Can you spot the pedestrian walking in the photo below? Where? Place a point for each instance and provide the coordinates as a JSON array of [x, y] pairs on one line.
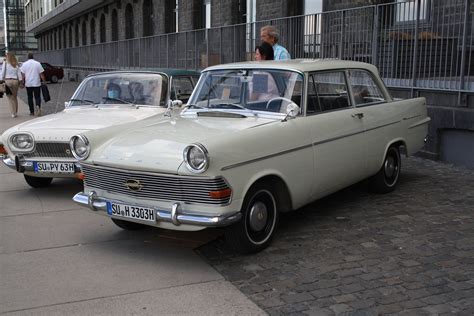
[[33, 75], [11, 75], [270, 35]]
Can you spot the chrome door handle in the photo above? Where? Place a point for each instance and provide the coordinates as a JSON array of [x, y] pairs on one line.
[[358, 115]]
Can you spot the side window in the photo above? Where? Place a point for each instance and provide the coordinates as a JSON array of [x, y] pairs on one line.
[[364, 88], [327, 91], [182, 88]]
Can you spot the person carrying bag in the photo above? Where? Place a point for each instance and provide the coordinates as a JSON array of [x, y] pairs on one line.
[[11, 80], [33, 75]]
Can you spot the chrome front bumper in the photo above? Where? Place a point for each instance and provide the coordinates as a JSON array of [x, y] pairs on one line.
[[175, 216], [21, 165]]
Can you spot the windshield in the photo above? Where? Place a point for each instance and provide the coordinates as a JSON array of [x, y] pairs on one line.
[[122, 88], [251, 89]]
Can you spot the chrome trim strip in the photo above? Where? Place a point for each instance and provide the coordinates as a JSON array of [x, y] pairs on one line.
[[422, 122], [303, 147], [411, 117], [96, 203], [381, 126], [265, 157]]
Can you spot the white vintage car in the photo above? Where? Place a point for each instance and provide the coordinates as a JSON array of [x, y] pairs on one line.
[[256, 139], [39, 148]]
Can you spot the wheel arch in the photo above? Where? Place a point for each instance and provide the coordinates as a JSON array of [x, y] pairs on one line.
[[278, 183], [395, 142]]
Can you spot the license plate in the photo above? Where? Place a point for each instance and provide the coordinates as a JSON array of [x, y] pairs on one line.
[[54, 167], [129, 211]]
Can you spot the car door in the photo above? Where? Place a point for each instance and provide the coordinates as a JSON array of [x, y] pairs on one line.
[[380, 118], [336, 132]]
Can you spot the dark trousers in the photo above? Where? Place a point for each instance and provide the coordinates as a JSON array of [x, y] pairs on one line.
[[37, 92]]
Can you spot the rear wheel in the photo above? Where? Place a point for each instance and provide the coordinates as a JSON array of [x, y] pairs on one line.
[[386, 179], [127, 225], [37, 182], [54, 79], [256, 228]]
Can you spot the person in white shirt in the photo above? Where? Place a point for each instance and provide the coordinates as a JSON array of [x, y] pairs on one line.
[[32, 72], [11, 74]]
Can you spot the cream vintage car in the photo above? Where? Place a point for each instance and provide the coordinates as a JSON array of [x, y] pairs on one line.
[[256, 139], [39, 148]]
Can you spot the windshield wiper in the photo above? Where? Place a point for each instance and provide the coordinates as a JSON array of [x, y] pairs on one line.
[[224, 105], [117, 99], [190, 106], [83, 101]]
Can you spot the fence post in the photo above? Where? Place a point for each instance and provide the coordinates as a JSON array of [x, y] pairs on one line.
[[415, 48], [207, 47], [341, 44], [167, 51], [463, 53], [186, 50], [375, 36]]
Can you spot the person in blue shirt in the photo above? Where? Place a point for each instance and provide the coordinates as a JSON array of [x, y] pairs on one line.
[[270, 35]]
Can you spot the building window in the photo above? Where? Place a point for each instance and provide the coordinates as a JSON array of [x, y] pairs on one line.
[[92, 31], [129, 25], [114, 25], [76, 34], [102, 28], [148, 18], [171, 11], [407, 11], [84, 33], [70, 35]]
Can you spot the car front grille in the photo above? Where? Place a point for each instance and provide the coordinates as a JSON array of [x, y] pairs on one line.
[[51, 150], [155, 186]]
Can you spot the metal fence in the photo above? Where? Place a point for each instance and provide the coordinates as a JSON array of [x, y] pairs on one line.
[[423, 44]]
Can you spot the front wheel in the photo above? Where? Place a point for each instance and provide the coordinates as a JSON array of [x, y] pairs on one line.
[[38, 182], [128, 225], [256, 228], [386, 179]]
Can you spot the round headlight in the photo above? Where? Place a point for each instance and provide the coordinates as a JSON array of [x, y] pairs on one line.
[[195, 157], [22, 141], [80, 147]]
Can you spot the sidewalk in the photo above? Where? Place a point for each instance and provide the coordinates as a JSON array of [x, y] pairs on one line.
[[58, 259]]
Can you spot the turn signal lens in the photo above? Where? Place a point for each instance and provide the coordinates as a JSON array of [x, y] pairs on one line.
[[2, 150], [221, 194], [80, 176]]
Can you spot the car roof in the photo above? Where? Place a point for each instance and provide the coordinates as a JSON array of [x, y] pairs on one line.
[[301, 65], [168, 71]]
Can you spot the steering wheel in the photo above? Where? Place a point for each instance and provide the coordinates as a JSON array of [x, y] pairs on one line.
[[277, 98]]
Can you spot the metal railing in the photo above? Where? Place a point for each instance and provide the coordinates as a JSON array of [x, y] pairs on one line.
[[422, 44]]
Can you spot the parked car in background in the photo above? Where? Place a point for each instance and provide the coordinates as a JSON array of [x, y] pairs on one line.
[[256, 139], [39, 148], [52, 73]]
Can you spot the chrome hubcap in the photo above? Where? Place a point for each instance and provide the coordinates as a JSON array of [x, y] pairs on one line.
[[390, 167], [258, 216]]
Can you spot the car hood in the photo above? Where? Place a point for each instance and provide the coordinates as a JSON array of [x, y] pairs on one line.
[[158, 146], [61, 126]]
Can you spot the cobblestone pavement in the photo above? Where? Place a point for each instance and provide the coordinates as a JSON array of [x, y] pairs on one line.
[[410, 252]]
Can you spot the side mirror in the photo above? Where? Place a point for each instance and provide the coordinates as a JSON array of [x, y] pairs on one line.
[[292, 111], [66, 104], [176, 103]]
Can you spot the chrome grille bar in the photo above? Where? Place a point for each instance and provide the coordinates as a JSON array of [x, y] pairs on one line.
[[155, 186], [51, 150]]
